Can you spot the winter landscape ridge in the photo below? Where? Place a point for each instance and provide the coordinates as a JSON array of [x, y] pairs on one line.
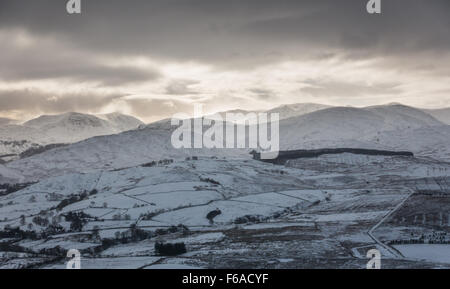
[[113, 188]]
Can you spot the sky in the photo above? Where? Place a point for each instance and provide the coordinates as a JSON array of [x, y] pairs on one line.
[[152, 59]]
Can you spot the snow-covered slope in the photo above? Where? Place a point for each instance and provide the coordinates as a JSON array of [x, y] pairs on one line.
[[63, 128], [8, 175], [15, 139], [285, 111], [297, 109], [72, 126], [431, 141], [20, 132], [121, 122], [130, 148], [370, 127], [6, 121], [388, 127], [337, 123], [397, 116], [442, 115], [311, 204]]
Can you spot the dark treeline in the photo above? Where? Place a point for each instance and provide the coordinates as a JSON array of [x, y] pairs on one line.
[[284, 156]]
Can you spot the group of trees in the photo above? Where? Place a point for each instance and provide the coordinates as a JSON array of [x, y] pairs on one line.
[[172, 229], [39, 149], [120, 217], [260, 218], [156, 163], [40, 221], [74, 198], [77, 220], [53, 229], [249, 219], [193, 158], [433, 238], [149, 215], [133, 234], [170, 249], [9, 232], [6, 189], [209, 180]]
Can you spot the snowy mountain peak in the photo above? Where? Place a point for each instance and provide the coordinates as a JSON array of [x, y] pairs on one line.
[[297, 109], [61, 128], [69, 118], [121, 121], [402, 116]]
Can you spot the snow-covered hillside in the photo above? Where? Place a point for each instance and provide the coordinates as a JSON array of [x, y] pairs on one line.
[[6, 121], [393, 127], [121, 122], [8, 175], [130, 148], [315, 210], [385, 127], [285, 111], [15, 139], [72, 126], [296, 109], [133, 189], [442, 115], [63, 128], [397, 116]]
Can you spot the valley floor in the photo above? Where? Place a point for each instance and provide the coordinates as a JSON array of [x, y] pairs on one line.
[[325, 212]]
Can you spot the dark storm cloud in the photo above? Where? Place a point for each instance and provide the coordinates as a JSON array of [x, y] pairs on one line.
[[115, 43], [250, 32], [39, 102]]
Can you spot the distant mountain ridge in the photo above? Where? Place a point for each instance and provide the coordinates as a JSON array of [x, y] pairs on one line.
[[388, 127], [72, 126], [61, 128], [442, 114], [297, 109], [7, 121], [284, 111]]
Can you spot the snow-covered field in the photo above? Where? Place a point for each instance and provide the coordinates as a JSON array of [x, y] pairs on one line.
[[430, 252], [262, 210], [229, 210]]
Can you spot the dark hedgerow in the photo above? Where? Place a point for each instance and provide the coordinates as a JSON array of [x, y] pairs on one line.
[[162, 249], [209, 180]]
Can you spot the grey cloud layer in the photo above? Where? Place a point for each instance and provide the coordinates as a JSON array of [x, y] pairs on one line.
[[47, 58], [227, 35], [248, 31], [319, 88], [181, 87], [39, 102]]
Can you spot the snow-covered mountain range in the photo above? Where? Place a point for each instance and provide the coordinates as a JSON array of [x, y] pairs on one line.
[[63, 128], [104, 189], [296, 109], [72, 126], [392, 126], [284, 111]]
